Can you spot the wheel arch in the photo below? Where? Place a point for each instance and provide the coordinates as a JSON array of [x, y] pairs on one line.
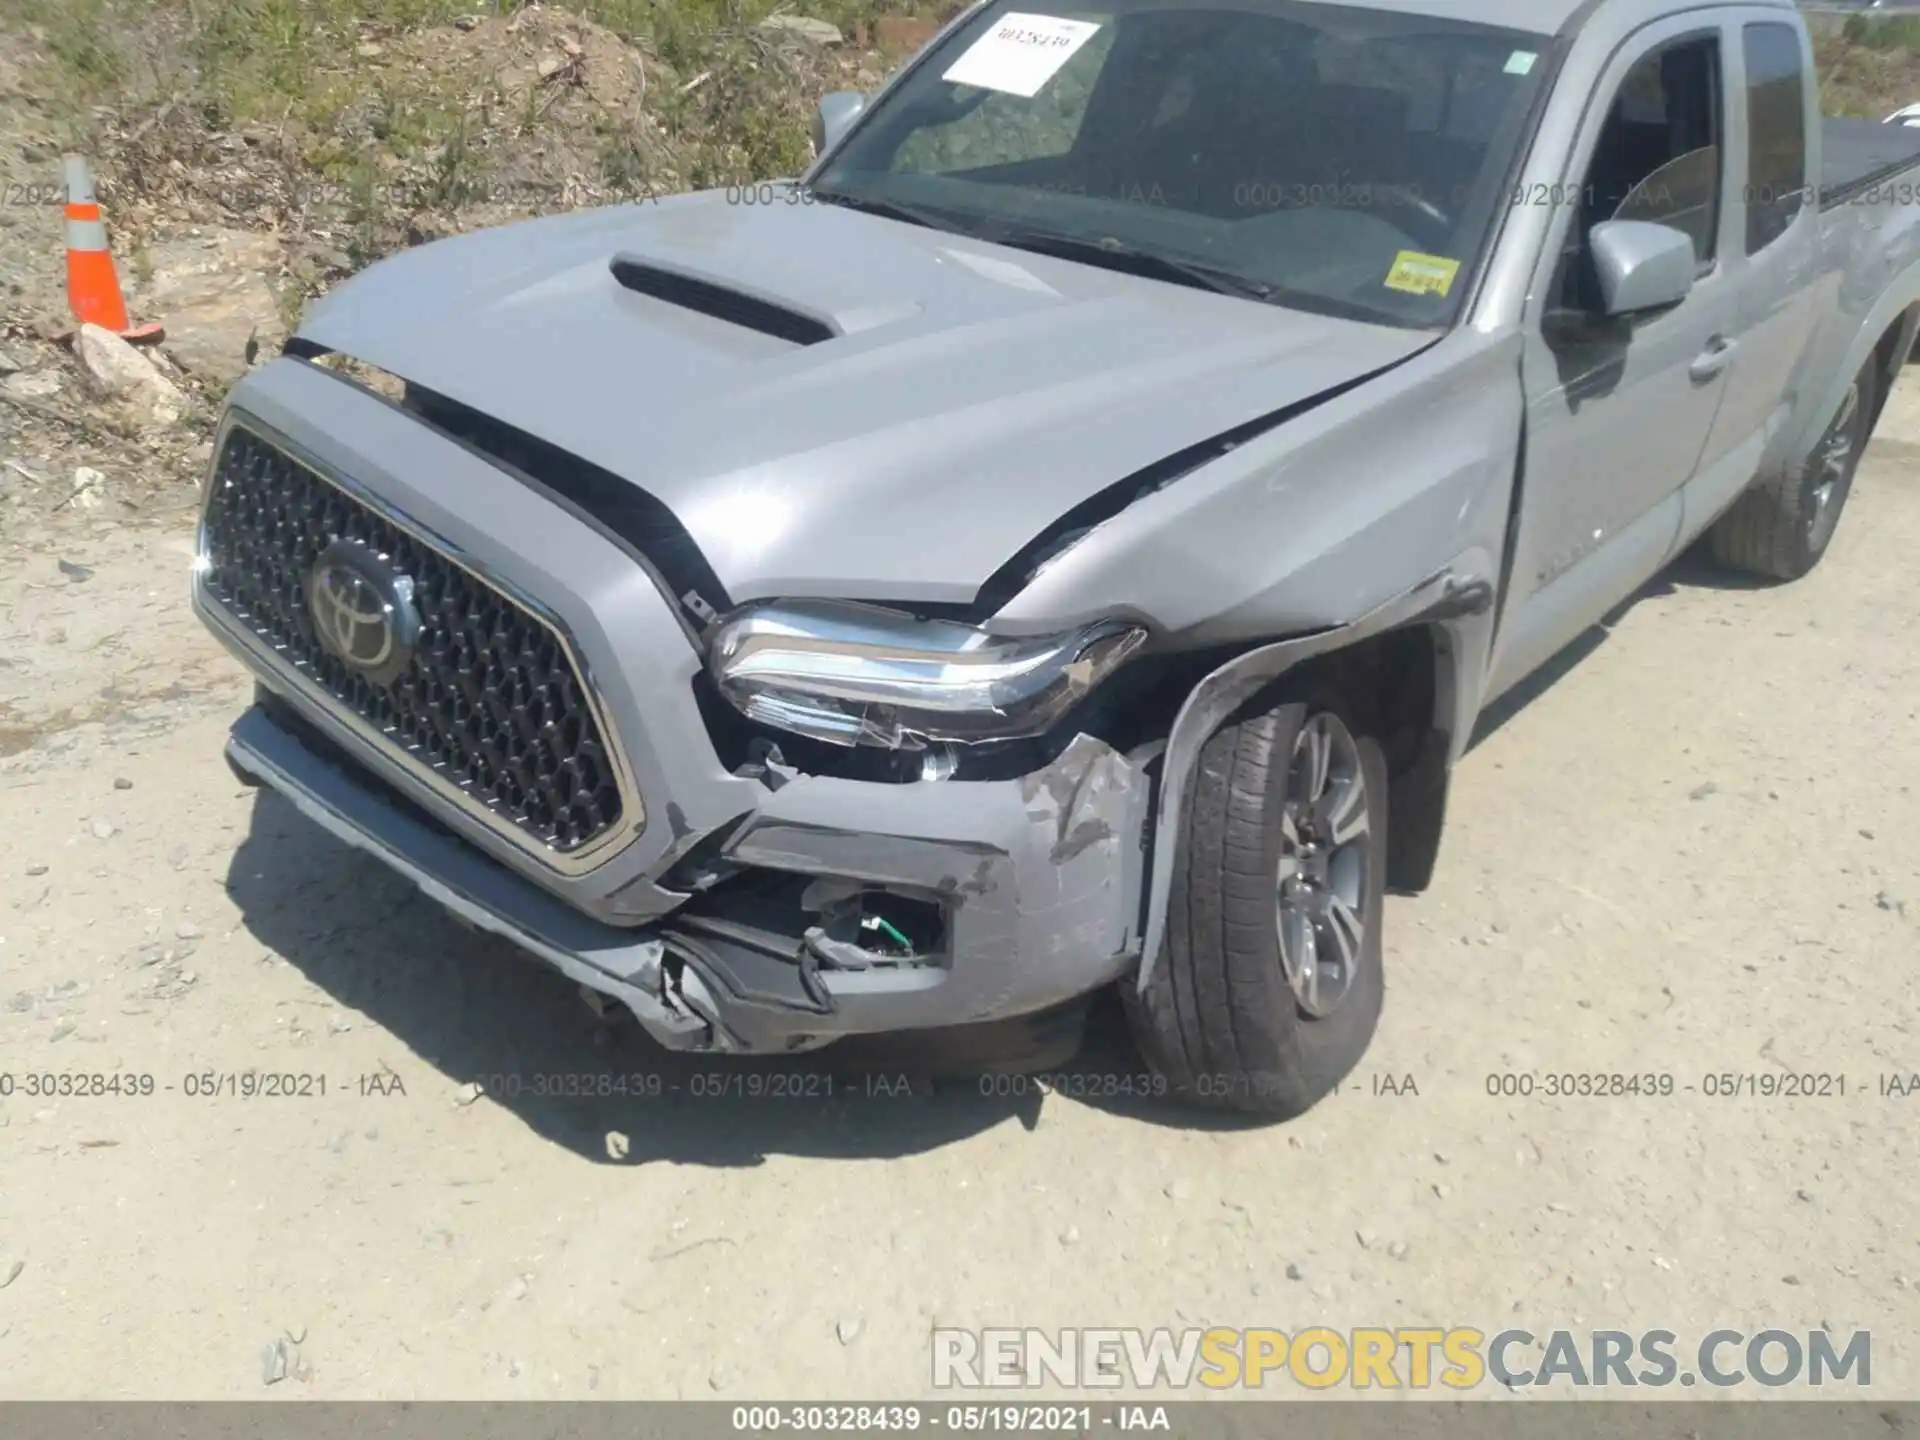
[[1400, 664]]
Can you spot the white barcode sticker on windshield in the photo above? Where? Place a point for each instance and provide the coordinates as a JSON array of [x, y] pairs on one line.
[[1521, 62], [1021, 53]]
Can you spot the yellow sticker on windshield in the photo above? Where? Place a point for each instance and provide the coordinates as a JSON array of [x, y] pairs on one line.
[[1419, 274]]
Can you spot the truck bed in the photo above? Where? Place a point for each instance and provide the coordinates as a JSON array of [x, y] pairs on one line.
[[1859, 154]]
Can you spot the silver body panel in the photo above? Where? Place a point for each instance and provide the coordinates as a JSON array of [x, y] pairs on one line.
[[971, 395]]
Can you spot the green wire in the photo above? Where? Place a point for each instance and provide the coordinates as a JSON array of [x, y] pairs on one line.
[[879, 923]]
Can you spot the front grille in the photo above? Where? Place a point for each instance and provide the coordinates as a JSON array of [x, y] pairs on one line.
[[490, 703]]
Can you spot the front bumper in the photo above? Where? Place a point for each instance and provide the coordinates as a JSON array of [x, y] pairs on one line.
[[1040, 877], [1037, 881]]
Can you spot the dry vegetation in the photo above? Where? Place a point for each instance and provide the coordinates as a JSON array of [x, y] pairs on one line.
[[358, 126], [363, 125], [1870, 67]]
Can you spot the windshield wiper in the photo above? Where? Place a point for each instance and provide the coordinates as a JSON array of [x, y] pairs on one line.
[[890, 209], [1153, 264]]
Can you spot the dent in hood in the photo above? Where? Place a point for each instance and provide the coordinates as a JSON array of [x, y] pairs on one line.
[[966, 396]]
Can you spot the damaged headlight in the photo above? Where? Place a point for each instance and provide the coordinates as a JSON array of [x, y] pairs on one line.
[[853, 674]]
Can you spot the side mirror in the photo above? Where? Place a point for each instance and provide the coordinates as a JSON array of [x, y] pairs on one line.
[[835, 117], [1642, 266]]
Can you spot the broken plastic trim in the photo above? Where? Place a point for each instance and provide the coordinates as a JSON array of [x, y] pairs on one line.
[[852, 675]]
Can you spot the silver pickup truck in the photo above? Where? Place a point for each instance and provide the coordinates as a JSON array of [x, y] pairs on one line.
[[1065, 539]]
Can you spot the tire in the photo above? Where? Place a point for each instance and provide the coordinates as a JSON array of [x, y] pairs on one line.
[[1782, 526], [1219, 1019]]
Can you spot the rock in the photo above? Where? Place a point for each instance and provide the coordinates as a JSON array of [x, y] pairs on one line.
[[1070, 1235], [33, 384], [120, 782], [805, 27], [9, 365], [1440, 1190], [1177, 1190], [1397, 1249], [273, 1364], [187, 930], [1789, 1279], [102, 828], [78, 574], [119, 370], [10, 1271], [1700, 792], [36, 870], [466, 22], [20, 1002], [1887, 902], [424, 227], [1365, 1237], [339, 1025], [211, 293], [86, 486], [467, 1094], [1294, 1272], [717, 1378], [619, 1146], [848, 1328]]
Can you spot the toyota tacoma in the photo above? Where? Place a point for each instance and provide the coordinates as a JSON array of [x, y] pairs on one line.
[[1066, 537]]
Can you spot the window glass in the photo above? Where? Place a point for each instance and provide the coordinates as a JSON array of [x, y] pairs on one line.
[[1659, 158], [1351, 160], [1777, 132]]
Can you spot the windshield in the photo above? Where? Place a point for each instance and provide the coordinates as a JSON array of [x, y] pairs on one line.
[[1340, 159]]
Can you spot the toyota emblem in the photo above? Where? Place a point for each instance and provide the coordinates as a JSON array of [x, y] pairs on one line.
[[362, 610]]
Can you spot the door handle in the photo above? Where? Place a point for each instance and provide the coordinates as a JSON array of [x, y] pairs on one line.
[[1712, 360]]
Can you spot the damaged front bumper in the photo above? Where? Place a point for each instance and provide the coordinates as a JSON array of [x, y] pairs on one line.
[[723, 905], [1036, 883]]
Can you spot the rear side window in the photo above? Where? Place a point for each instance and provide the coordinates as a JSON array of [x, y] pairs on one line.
[[1777, 132]]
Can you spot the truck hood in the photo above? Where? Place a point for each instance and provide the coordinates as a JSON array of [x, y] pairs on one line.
[[834, 403]]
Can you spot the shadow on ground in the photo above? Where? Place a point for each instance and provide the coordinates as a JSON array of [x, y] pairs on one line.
[[478, 1010], [1694, 570]]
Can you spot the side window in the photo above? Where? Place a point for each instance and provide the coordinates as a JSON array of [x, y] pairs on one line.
[[1777, 132], [1660, 157]]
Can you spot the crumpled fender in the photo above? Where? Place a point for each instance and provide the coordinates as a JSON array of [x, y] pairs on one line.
[[1441, 596]]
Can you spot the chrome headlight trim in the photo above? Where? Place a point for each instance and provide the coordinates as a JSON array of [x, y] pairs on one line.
[[852, 674]]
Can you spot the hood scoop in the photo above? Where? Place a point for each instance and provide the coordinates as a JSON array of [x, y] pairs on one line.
[[724, 300]]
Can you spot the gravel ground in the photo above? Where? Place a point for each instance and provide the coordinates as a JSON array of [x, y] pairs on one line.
[[1692, 851]]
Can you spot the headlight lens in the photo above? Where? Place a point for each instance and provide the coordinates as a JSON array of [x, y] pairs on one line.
[[854, 674]]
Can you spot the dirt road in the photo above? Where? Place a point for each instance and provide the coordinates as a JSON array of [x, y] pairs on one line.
[[1695, 851]]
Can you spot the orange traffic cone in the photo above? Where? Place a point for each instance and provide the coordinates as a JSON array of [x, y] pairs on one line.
[[93, 287]]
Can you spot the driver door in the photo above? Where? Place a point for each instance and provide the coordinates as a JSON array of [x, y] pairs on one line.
[[1619, 409]]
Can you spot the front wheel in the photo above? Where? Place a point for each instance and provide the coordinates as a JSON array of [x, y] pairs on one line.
[[1782, 526], [1268, 985]]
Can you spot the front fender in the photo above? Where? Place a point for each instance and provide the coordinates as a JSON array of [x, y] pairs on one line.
[[1445, 596]]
